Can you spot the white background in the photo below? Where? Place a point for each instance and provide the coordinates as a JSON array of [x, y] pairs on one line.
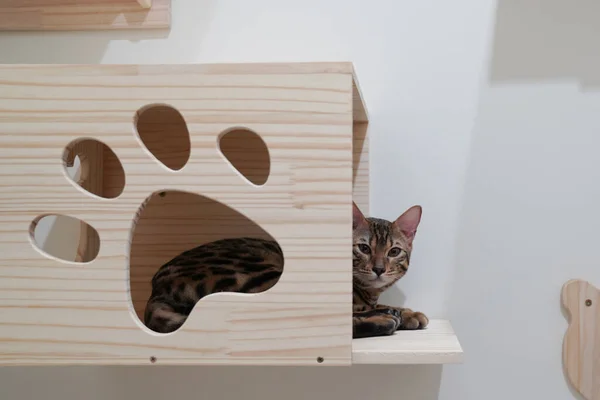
[[487, 113]]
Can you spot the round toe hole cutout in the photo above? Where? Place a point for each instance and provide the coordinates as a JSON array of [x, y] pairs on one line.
[[248, 154], [94, 167], [164, 132], [65, 238]]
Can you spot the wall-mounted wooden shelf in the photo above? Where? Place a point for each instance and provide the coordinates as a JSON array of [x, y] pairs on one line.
[[74, 15], [437, 344]]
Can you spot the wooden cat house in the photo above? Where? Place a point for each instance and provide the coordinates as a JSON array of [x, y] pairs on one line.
[[172, 156]]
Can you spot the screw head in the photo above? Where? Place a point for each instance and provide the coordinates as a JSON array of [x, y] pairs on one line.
[[162, 194], [152, 359], [320, 360], [588, 302]]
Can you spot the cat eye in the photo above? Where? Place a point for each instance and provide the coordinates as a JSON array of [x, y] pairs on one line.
[[394, 252], [364, 248]]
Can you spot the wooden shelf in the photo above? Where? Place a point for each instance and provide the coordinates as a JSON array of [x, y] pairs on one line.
[[83, 15], [437, 344]]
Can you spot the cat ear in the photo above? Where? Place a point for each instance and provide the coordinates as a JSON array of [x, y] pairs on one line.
[[358, 219], [408, 222]]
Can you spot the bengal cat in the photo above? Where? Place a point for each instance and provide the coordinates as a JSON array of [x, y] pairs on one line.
[[381, 252], [380, 257]]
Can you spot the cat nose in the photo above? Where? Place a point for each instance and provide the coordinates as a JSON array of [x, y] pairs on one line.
[[378, 270]]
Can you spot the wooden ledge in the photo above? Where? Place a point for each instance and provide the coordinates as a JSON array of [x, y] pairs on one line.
[[83, 15], [437, 344]]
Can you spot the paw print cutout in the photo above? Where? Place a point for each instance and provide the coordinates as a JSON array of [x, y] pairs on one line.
[[163, 132], [581, 346]]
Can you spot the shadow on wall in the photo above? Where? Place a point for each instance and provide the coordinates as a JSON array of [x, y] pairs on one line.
[[524, 141], [89, 47], [547, 40], [173, 382]]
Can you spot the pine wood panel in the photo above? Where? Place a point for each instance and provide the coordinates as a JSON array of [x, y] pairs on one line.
[[53, 312], [70, 15], [581, 346], [437, 344], [360, 167]]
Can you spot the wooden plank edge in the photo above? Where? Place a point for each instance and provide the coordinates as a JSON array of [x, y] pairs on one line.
[[121, 15], [360, 167], [360, 112], [126, 361], [252, 68], [385, 350]]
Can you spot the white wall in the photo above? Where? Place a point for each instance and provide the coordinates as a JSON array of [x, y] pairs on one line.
[[486, 114]]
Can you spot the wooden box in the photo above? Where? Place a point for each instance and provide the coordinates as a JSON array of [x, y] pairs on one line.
[[148, 191]]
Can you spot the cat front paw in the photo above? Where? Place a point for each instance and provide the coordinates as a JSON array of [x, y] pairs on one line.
[[377, 322], [412, 320], [392, 317], [390, 311]]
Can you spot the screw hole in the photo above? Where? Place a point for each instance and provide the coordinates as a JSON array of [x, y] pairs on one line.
[[162, 194], [152, 359], [320, 360], [588, 302]]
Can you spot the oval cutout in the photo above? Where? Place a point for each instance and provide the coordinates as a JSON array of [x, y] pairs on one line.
[[171, 225], [248, 154], [164, 132], [94, 167], [65, 238]]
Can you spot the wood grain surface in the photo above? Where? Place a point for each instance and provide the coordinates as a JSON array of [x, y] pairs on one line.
[[437, 344], [581, 346], [79, 15], [58, 312]]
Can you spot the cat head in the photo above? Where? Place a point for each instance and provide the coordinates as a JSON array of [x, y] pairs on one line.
[[381, 249]]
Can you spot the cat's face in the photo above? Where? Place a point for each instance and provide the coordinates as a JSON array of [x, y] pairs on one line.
[[381, 248]]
